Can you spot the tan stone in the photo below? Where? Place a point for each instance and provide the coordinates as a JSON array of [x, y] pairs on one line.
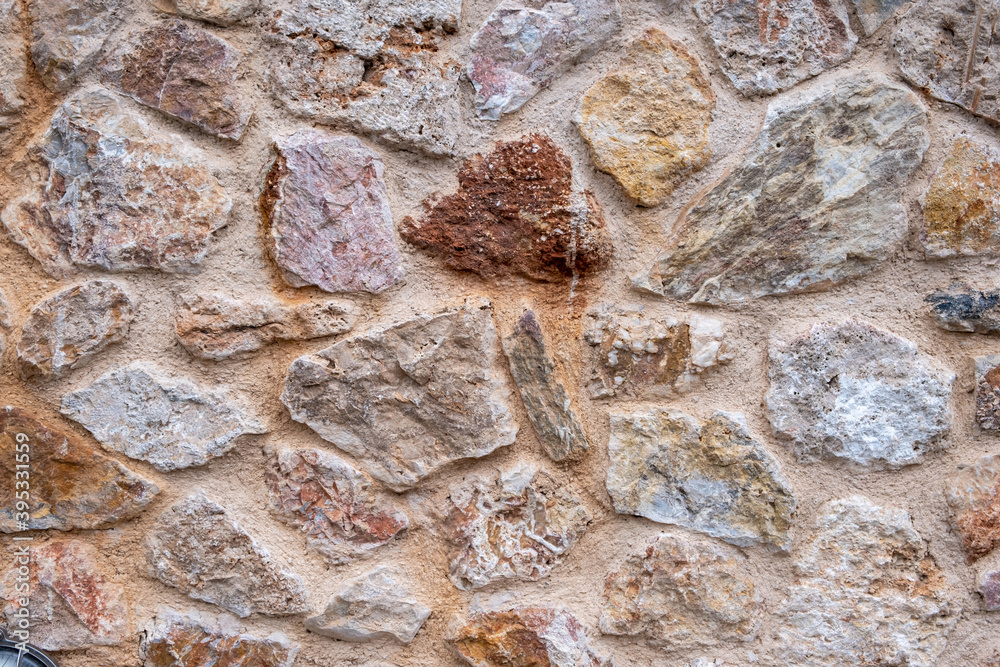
[[176, 640], [973, 496]]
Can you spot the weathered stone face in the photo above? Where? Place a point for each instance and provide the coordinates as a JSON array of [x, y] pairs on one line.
[[517, 210], [797, 214], [988, 392], [647, 122], [683, 593], [408, 399], [854, 392], [874, 13], [4, 320], [326, 214], [990, 590], [105, 192], [707, 475], [526, 44], [866, 591], [973, 496], [219, 12], [13, 64], [963, 308], [176, 640], [67, 37]]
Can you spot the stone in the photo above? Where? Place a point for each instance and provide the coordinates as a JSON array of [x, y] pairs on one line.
[[197, 547], [219, 12], [990, 590], [107, 192], [518, 526], [866, 592], [332, 503], [171, 423], [68, 329], [517, 210], [545, 398], [373, 606], [184, 72], [814, 202], [874, 13], [13, 64], [194, 640], [633, 354], [708, 475], [326, 214], [966, 309], [71, 602], [216, 327], [683, 593], [972, 496], [988, 392], [647, 122], [67, 36], [374, 68], [72, 485], [4, 320], [408, 399], [854, 392], [525, 45]]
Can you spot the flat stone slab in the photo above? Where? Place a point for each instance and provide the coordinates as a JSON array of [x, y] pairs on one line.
[[967, 309], [66, 37], [173, 639], [973, 496]]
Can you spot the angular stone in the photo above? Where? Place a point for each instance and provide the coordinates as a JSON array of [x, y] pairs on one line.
[[190, 640], [964, 308], [683, 593], [376, 68], [186, 73], [213, 326], [332, 503], [326, 214], [524, 45], [815, 201], [973, 495], [518, 526], [990, 590], [199, 549], [647, 122], [706, 475], [68, 329], [71, 602], [219, 12], [854, 392], [171, 423], [373, 606], [13, 64], [988, 392], [874, 13], [545, 398], [517, 210], [408, 399], [105, 192], [866, 592], [72, 485], [67, 37]]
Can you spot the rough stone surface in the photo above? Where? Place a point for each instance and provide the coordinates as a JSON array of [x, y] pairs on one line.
[[219, 12], [72, 485], [171, 423], [213, 326], [517, 526], [199, 549], [66, 37], [192, 640], [545, 398], [408, 399], [966, 309], [814, 202], [990, 590], [526, 44], [851, 391], [4, 321], [707, 475], [373, 606], [186, 73], [988, 392], [647, 121], [972, 496], [683, 593], [332, 503], [105, 192], [866, 592], [517, 210], [874, 13], [68, 329], [13, 64]]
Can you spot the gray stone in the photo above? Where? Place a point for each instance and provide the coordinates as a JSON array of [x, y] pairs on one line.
[[874, 13], [989, 588], [988, 392], [4, 320], [966, 309], [67, 37], [172, 639], [13, 64], [219, 12]]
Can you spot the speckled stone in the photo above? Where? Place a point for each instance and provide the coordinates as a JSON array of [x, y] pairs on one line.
[[988, 392], [990, 590], [874, 13], [66, 37], [173, 639], [13, 64], [973, 495], [966, 309], [4, 321], [219, 12]]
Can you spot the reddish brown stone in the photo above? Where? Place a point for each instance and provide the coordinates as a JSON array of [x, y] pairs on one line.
[[974, 498], [990, 590], [988, 392], [189, 641]]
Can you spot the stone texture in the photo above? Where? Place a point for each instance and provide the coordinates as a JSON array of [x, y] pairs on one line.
[[186, 73], [647, 121], [171, 423], [213, 326], [990, 590], [196, 547], [106, 192], [966, 309], [13, 64], [326, 214], [545, 398], [866, 592], [814, 202], [72, 485], [4, 321], [874, 13], [66, 37], [68, 329], [332, 503], [972, 496], [410, 398], [517, 210], [683, 593], [524, 45], [373, 606], [988, 392], [708, 475], [376, 68], [851, 391], [219, 12], [517, 526], [190, 640]]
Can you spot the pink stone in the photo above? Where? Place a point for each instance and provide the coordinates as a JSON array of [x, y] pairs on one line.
[[990, 589]]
